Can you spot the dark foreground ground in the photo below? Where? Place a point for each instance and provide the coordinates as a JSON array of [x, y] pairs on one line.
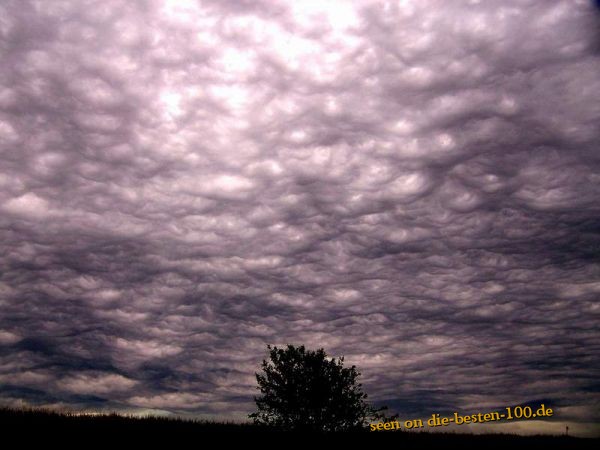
[[47, 425]]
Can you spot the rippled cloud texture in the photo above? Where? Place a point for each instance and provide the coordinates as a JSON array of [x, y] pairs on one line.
[[414, 185]]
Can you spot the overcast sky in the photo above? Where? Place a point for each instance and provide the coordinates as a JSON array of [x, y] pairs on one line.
[[412, 184]]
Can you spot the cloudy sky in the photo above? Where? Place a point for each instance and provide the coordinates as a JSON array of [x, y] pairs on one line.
[[412, 184]]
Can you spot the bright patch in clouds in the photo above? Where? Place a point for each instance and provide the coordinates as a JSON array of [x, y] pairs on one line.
[[171, 103]]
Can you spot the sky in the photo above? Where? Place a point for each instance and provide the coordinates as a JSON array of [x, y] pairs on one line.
[[414, 185]]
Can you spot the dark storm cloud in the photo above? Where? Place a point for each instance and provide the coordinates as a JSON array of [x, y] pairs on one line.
[[413, 185]]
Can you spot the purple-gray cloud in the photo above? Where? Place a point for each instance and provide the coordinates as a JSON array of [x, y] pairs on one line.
[[411, 184]]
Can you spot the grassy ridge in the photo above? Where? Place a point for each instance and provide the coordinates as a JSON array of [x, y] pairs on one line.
[[46, 422], [42, 419]]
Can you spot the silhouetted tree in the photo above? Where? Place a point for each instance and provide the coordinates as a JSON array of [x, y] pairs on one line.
[[306, 390]]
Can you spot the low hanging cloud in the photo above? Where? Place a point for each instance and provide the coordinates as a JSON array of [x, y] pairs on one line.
[[413, 185]]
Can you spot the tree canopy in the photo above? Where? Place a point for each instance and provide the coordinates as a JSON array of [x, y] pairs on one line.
[[306, 390]]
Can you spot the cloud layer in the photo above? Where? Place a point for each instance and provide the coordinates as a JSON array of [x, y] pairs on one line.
[[413, 185]]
